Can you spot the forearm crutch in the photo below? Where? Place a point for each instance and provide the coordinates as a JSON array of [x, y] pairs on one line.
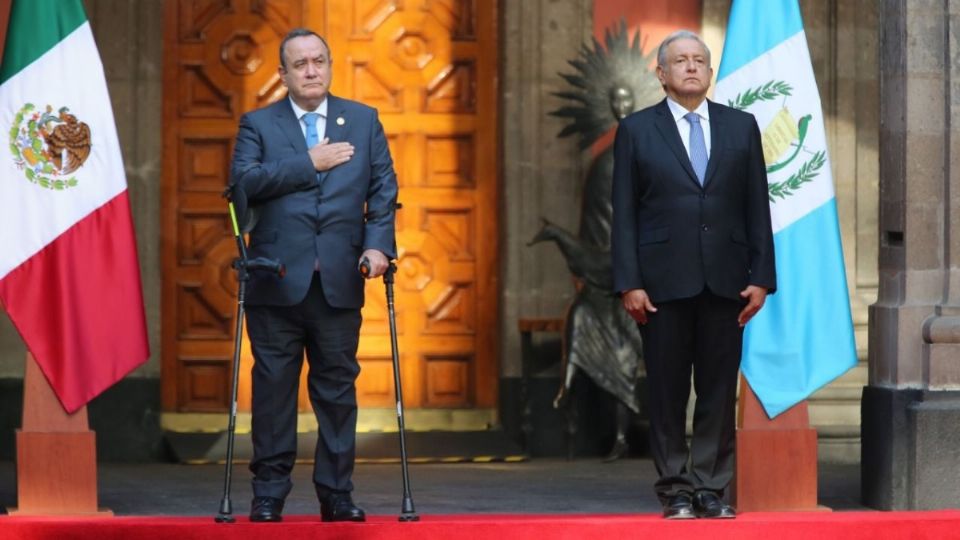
[[244, 266], [407, 512]]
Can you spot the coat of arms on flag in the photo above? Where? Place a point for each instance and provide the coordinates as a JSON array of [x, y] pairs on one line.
[[784, 139], [48, 147]]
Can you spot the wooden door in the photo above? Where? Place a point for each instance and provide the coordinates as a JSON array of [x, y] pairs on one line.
[[430, 67]]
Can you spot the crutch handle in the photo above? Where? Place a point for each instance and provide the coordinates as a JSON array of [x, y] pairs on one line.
[[364, 267]]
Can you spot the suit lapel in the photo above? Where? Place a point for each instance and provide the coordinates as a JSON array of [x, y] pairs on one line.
[[337, 124], [671, 135], [716, 143], [289, 124]]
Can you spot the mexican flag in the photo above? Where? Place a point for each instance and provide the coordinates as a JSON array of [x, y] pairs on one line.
[[803, 337], [69, 276]]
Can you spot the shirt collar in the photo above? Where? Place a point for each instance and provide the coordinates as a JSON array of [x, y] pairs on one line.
[[678, 112], [298, 112]]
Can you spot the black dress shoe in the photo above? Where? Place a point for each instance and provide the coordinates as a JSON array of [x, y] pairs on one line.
[[265, 509], [707, 504], [678, 506], [340, 507]]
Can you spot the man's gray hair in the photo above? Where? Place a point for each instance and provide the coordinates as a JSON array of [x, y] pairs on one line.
[[679, 34], [295, 33]]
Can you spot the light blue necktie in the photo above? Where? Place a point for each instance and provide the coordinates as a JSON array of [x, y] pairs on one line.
[[310, 120], [698, 148], [313, 138]]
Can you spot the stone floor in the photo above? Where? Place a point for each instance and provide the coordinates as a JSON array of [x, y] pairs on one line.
[[537, 486]]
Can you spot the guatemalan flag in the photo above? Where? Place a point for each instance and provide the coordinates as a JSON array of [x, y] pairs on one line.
[[803, 337], [69, 276]]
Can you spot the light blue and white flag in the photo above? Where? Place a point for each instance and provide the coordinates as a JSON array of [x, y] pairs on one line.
[[803, 337]]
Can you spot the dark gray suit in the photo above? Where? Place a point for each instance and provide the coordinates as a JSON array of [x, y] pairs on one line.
[[693, 249], [308, 220]]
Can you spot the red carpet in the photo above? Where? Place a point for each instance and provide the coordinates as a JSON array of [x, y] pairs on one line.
[[763, 526]]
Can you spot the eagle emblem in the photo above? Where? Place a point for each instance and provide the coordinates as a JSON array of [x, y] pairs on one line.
[[49, 147]]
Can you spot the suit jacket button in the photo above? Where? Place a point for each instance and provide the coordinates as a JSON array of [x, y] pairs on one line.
[[704, 227]]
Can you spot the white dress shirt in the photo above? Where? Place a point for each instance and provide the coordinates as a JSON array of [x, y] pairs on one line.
[[703, 111], [321, 121]]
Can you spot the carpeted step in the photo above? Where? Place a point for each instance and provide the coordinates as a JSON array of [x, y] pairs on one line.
[[760, 526]]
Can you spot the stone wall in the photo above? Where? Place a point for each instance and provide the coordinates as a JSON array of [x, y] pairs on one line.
[[542, 175], [911, 408]]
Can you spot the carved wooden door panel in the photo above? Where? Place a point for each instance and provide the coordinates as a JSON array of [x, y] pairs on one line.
[[429, 66], [219, 61]]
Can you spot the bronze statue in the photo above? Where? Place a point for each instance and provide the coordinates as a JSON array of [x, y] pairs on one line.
[[599, 337]]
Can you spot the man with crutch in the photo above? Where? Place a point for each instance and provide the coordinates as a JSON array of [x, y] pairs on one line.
[[313, 166]]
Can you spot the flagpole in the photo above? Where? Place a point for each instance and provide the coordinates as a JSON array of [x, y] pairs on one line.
[[4, 20], [56, 454], [776, 468]]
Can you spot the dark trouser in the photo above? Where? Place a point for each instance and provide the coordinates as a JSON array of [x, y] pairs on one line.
[[699, 334], [279, 336]]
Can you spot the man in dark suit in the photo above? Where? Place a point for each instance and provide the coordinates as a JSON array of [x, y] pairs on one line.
[[693, 260], [318, 172]]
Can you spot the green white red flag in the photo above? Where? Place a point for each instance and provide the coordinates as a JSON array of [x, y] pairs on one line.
[[69, 276]]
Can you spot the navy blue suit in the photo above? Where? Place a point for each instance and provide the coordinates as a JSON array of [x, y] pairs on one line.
[[317, 225], [692, 248]]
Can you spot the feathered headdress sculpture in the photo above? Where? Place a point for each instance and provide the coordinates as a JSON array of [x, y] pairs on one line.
[[598, 70]]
